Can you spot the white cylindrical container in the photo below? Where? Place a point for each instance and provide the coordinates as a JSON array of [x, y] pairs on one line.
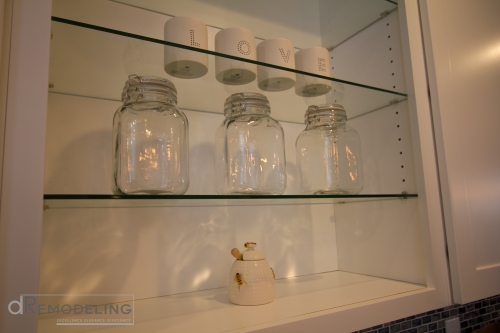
[[280, 52], [238, 42], [315, 60], [181, 63]]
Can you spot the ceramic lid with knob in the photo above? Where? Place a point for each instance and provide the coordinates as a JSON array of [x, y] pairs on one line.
[[250, 254]]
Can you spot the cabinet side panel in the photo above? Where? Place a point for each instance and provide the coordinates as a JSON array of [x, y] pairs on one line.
[[464, 82], [372, 57], [381, 238]]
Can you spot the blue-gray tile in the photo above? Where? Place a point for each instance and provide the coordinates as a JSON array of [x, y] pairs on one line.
[[470, 315], [433, 326], [436, 317], [416, 322], [422, 329], [426, 319], [406, 325], [441, 324], [384, 330], [412, 330], [494, 315], [395, 328]]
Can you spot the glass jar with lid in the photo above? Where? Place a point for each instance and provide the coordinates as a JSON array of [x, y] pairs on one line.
[[249, 148], [150, 135], [329, 153]]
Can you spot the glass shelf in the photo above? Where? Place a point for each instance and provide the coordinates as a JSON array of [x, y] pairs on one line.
[[92, 61], [116, 201], [306, 23]]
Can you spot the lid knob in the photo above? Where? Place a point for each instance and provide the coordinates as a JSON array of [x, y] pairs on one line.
[[251, 253]]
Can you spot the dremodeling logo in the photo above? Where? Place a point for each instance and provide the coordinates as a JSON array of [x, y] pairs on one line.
[[77, 309]]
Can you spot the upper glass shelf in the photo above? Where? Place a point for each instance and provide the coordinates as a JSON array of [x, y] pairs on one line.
[[307, 23], [116, 201], [93, 61]]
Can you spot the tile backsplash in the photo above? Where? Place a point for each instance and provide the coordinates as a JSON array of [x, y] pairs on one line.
[[473, 316]]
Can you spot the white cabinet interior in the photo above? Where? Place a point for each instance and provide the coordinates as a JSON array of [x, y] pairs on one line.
[[326, 255]]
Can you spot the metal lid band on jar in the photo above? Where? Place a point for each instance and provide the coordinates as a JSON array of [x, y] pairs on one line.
[[240, 102], [137, 84], [335, 112]]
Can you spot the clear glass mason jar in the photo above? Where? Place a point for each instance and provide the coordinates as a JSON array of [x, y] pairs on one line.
[[150, 135], [249, 148], [329, 153]]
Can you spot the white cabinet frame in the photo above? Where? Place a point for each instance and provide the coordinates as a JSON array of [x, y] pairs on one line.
[[462, 53], [23, 165]]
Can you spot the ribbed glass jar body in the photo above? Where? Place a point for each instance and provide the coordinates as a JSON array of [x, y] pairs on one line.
[[250, 148], [150, 135], [329, 153]]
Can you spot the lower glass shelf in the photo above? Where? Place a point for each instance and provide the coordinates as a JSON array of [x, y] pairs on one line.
[[210, 310], [52, 201]]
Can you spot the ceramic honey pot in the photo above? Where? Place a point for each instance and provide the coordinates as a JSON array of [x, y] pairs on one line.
[[251, 279]]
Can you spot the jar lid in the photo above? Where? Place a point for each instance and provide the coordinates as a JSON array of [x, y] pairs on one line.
[[325, 107], [154, 84], [239, 101], [336, 110], [250, 254]]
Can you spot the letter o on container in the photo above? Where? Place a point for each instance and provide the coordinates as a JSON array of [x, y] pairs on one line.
[[238, 42]]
